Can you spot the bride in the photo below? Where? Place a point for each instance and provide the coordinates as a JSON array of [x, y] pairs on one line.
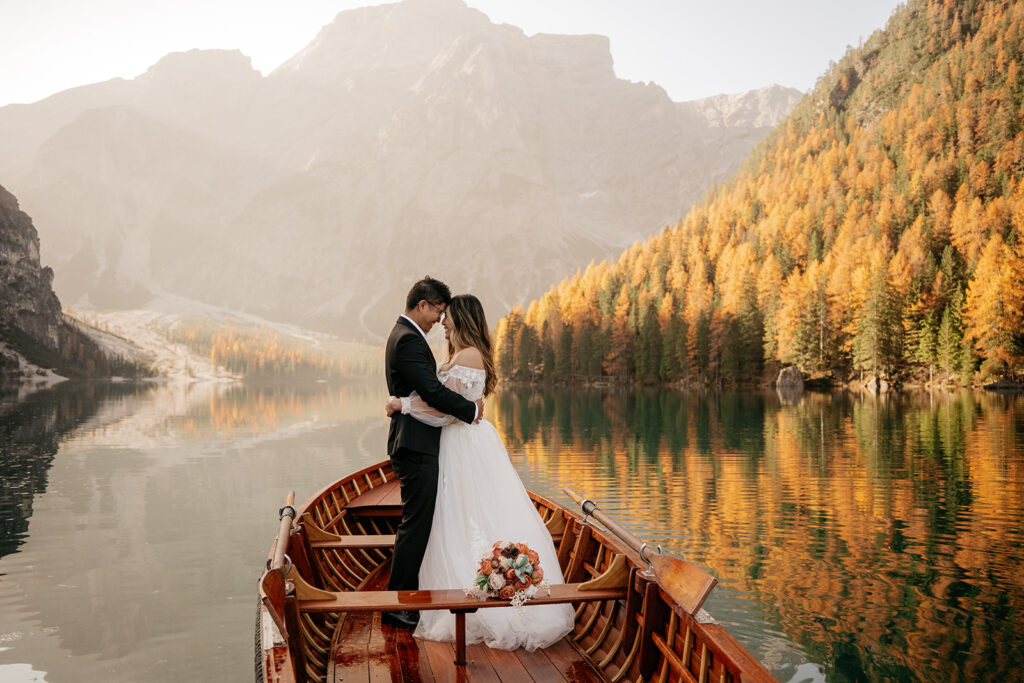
[[480, 500]]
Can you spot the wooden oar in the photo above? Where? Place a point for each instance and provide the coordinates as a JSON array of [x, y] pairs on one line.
[[687, 584], [283, 532]]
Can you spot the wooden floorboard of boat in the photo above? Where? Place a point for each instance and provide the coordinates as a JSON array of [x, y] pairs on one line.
[[441, 657], [571, 663], [383, 666], [409, 656], [540, 668], [364, 650]]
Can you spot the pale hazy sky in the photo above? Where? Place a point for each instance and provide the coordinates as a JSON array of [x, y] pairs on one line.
[[692, 48]]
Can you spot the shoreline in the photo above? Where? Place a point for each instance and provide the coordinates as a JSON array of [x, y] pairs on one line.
[[995, 387]]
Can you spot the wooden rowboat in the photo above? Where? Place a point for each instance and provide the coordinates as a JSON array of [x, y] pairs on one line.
[[638, 613]]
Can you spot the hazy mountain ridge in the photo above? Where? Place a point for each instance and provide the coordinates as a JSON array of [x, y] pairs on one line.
[[405, 139]]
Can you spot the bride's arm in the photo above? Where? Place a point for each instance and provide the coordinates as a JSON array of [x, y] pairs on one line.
[[415, 362], [416, 407]]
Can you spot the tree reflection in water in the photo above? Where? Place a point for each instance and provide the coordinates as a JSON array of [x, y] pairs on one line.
[[882, 534]]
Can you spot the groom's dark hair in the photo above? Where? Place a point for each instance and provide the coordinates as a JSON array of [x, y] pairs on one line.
[[430, 290]]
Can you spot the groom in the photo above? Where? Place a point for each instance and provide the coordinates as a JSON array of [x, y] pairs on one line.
[[412, 445]]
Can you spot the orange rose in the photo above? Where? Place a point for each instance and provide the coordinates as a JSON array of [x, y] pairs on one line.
[[485, 568], [506, 592], [522, 583], [510, 575], [538, 574], [532, 557], [521, 547], [496, 552]]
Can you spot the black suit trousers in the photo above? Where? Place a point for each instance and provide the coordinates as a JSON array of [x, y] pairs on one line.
[[417, 478]]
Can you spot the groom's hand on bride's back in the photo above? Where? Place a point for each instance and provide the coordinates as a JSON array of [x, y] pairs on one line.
[[479, 410]]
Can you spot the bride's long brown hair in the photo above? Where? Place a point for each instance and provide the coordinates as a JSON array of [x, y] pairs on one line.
[[469, 328]]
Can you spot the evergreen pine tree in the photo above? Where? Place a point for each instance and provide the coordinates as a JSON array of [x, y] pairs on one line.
[[951, 333], [877, 344]]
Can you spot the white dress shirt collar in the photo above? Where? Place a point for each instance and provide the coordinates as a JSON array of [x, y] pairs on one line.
[[418, 329]]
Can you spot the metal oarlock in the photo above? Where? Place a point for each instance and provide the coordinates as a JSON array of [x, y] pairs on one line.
[[588, 507], [643, 556], [287, 564]]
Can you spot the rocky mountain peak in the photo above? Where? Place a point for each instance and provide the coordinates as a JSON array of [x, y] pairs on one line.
[[384, 38], [762, 108], [200, 66]]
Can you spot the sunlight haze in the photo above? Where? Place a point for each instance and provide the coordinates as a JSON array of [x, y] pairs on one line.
[[745, 274], [691, 49]]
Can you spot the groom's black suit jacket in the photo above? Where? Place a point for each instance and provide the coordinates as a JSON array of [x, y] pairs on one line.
[[410, 366]]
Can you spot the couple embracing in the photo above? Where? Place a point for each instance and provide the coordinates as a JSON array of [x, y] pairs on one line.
[[460, 492]]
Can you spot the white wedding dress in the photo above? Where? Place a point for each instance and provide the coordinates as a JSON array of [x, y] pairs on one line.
[[481, 500]]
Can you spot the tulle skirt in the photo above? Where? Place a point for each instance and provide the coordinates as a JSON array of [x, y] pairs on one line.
[[481, 500]]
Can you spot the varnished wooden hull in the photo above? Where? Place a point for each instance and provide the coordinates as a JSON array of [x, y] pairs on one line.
[[645, 636]]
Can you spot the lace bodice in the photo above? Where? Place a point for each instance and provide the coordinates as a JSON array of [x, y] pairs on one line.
[[467, 382]]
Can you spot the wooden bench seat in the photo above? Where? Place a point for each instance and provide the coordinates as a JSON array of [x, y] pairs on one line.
[[324, 540], [355, 542], [454, 600], [384, 500]]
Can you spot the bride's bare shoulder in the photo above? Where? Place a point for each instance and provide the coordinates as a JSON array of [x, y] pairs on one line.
[[469, 357]]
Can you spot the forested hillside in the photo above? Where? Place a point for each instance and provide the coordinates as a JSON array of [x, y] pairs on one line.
[[877, 232]]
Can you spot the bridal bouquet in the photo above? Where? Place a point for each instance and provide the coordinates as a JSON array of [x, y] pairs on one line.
[[509, 571]]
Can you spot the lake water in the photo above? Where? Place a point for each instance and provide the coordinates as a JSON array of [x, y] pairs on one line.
[[854, 537]]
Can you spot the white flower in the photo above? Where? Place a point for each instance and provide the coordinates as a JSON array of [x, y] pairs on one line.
[[497, 581]]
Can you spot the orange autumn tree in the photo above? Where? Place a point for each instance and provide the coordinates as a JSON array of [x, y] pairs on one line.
[[878, 230], [994, 319]]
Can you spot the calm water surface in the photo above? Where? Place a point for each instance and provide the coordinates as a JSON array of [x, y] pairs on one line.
[[855, 538]]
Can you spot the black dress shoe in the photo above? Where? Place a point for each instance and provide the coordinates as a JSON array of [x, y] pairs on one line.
[[404, 619]]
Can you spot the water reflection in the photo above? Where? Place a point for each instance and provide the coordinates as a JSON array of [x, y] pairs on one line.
[[882, 535], [30, 434], [856, 538], [102, 414], [144, 547]]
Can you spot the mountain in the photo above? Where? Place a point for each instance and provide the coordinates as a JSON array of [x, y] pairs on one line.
[[405, 139], [878, 233], [33, 330], [763, 108]]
